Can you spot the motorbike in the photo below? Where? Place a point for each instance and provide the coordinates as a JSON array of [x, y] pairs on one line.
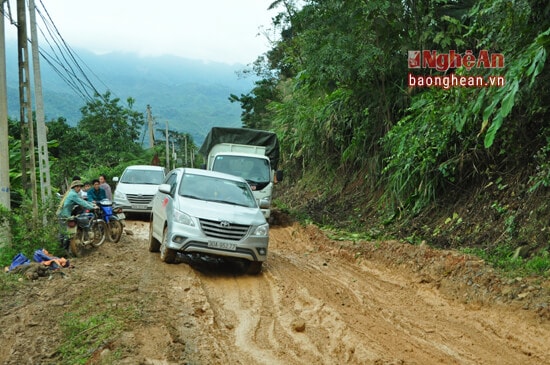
[[84, 230], [114, 217]]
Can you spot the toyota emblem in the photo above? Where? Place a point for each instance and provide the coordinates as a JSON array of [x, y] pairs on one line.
[[225, 224]]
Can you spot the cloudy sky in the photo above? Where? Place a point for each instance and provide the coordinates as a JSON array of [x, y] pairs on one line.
[[229, 31]]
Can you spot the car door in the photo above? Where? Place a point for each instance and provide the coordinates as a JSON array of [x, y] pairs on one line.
[[162, 202]]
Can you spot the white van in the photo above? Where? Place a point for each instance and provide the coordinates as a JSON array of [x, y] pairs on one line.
[[136, 187]]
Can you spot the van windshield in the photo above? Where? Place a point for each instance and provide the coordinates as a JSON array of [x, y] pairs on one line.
[[142, 177]]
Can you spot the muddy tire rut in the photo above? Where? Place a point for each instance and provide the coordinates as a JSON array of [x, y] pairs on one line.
[[317, 301]]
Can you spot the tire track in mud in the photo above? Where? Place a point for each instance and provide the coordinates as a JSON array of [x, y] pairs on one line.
[[353, 312], [367, 314], [315, 303]]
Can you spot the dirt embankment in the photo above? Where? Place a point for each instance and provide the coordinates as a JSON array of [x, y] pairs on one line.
[[317, 302]]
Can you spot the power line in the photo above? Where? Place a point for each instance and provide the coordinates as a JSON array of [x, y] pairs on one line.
[[73, 56], [63, 60]]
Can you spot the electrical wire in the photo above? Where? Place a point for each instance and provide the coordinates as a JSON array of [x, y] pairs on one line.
[[63, 60], [67, 53]]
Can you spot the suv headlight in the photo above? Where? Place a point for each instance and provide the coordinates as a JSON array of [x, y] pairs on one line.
[[183, 218], [262, 230]]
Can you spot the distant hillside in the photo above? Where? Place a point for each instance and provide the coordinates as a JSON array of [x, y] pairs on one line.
[[192, 96]]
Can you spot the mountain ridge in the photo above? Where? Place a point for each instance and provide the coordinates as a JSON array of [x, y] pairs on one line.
[[190, 95]]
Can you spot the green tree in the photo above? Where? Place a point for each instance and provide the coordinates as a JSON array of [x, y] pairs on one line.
[[346, 88], [67, 152], [452, 136], [110, 131], [255, 113]]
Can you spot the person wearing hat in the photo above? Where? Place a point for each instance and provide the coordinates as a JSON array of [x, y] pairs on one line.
[[73, 198]]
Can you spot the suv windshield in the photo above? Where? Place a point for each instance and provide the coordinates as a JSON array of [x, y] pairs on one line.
[[216, 190], [142, 177]]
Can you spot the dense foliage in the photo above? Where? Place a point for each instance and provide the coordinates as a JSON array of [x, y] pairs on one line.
[[337, 93], [362, 141]]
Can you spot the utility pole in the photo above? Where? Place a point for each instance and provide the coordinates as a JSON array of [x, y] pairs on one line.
[[185, 149], [43, 159], [4, 147], [167, 149], [174, 155], [25, 101], [150, 124], [22, 44]]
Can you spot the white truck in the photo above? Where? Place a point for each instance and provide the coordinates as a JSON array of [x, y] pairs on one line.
[[248, 153]]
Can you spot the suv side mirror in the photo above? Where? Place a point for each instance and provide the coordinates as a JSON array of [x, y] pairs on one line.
[[165, 188]]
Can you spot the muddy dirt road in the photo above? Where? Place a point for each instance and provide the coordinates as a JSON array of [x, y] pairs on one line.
[[317, 302]]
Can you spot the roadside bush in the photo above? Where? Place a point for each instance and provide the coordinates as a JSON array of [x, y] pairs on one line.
[[27, 235]]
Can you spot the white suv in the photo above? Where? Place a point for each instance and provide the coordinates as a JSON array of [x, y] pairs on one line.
[[208, 213], [137, 186]]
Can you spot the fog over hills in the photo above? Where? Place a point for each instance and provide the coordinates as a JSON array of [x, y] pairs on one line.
[[190, 95]]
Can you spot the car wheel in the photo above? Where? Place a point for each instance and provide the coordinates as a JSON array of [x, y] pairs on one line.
[[154, 244], [167, 255], [254, 267]]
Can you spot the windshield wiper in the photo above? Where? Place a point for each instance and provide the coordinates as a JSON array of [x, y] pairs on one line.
[[228, 202], [192, 196]]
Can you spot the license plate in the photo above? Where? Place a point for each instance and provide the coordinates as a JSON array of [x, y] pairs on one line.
[[139, 206], [222, 245], [121, 216]]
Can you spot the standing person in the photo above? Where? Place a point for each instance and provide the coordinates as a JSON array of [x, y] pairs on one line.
[[105, 186], [96, 194], [84, 191]]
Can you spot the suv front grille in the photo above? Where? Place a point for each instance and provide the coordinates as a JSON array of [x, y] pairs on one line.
[[139, 199], [215, 229]]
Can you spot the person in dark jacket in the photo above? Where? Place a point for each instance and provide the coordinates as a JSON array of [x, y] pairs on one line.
[[96, 193]]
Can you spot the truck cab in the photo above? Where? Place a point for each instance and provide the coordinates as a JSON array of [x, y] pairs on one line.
[[255, 169], [248, 153]]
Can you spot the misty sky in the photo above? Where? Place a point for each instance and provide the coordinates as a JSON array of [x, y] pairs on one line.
[[211, 30]]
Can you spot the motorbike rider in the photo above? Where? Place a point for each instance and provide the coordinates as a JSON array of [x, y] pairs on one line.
[[96, 193], [70, 200], [73, 198]]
